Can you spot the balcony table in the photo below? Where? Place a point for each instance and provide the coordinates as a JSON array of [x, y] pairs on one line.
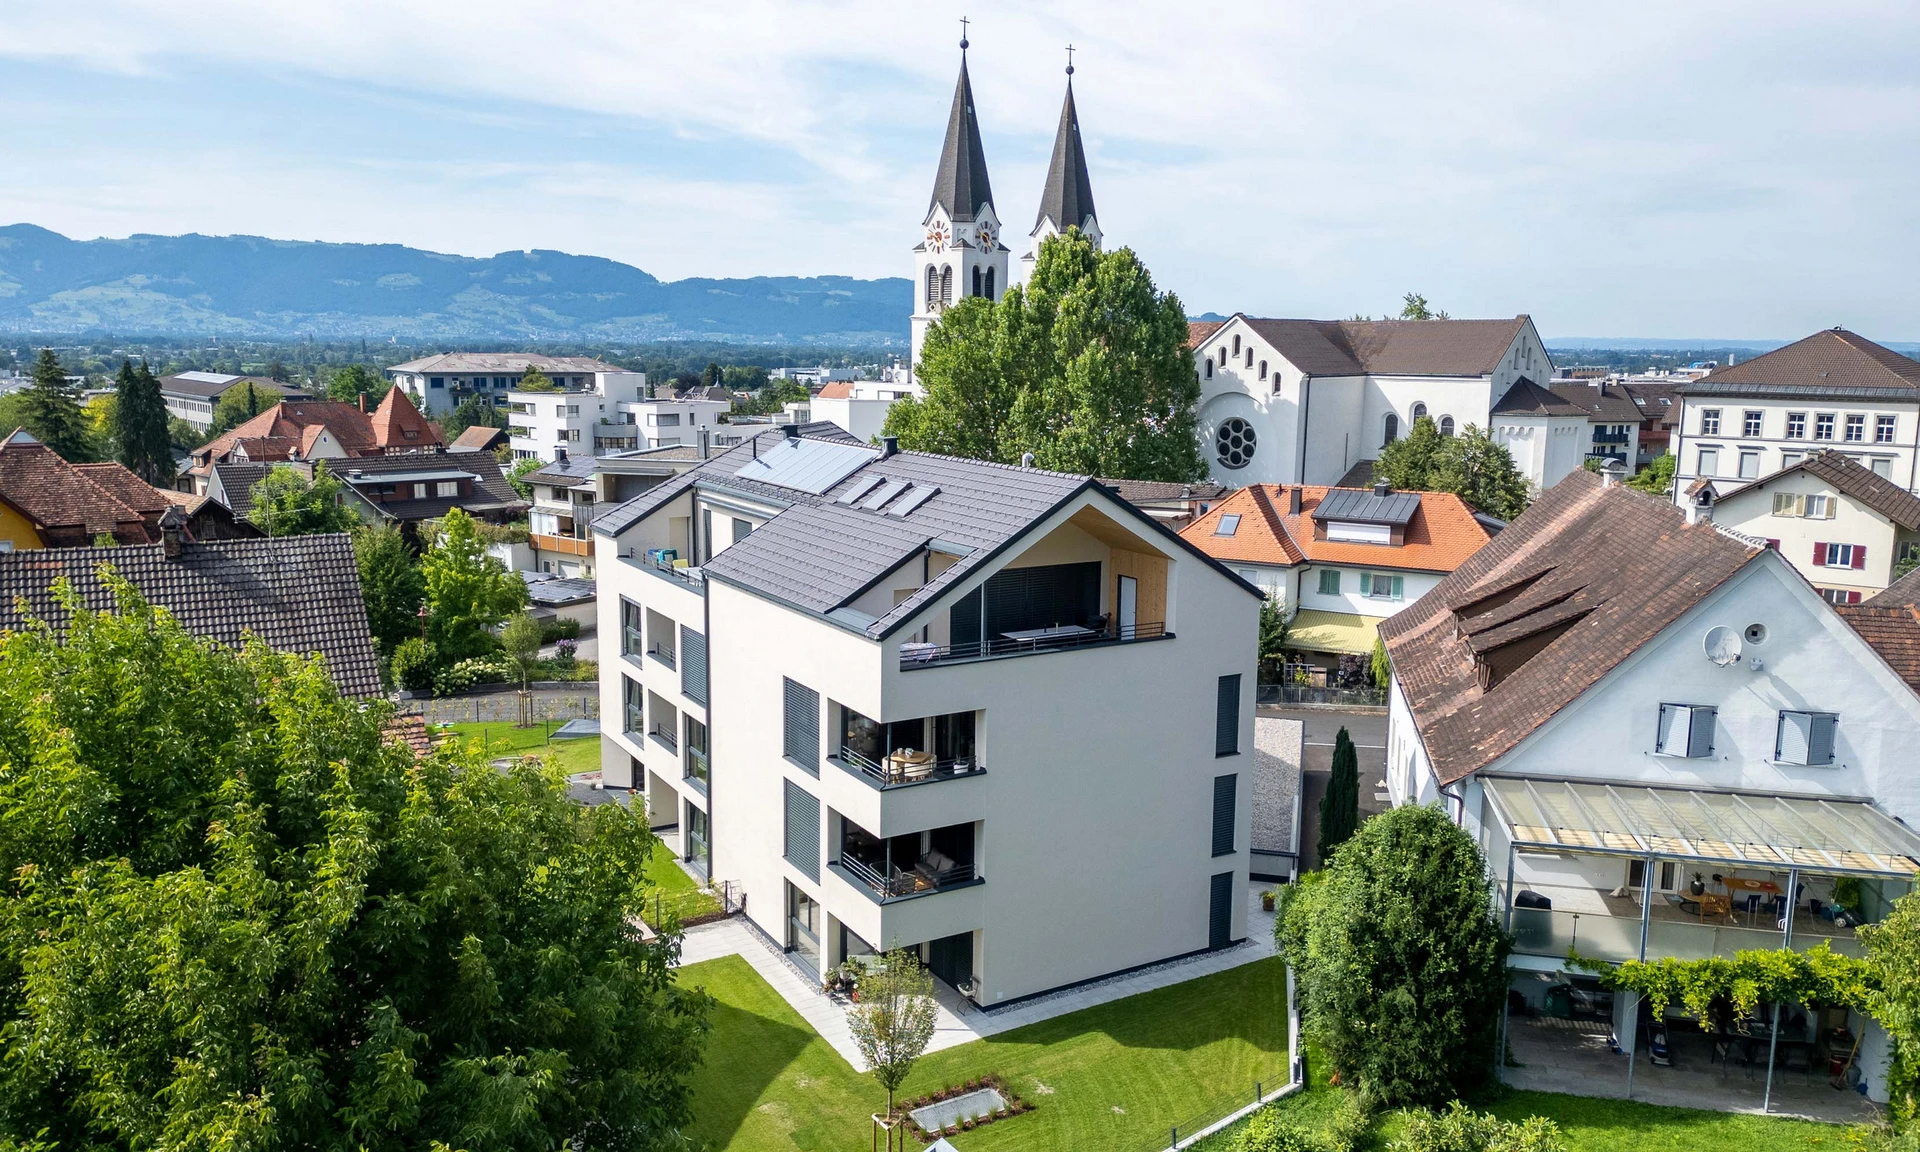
[[1706, 904], [1034, 637]]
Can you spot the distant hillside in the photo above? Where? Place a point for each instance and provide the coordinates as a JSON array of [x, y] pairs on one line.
[[247, 286]]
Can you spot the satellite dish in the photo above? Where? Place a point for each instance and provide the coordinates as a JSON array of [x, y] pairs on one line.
[[1723, 646]]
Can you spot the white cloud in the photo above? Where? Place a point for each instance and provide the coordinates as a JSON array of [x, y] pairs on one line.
[[1634, 168]]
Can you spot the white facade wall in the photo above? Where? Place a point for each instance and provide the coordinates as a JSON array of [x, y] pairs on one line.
[[1751, 513], [1350, 600], [1775, 449], [1545, 449], [864, 419], [544, 425]]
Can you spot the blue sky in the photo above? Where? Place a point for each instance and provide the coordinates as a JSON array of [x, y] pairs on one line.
[[1733, 170]]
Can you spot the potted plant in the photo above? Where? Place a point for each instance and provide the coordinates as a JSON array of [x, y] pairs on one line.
[[1697, 886], [1266, 900]]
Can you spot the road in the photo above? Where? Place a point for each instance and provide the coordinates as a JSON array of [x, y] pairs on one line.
[[1368, 731]]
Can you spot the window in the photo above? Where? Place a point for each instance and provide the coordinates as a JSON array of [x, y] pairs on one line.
[[1236, 343], [1685, 730], [667, 420], [1910, 552], [1224, 788], [933, 289], [1749, 465], [977, 285], [437, 382], [631, 634], [1823, 426], [1709, 462], [1329, 582], [1209, 367], [1839, 556], [1789, 459], [1805, 738], [1710, 422], [445, 488], [1796, 425], [1381, 586], [1234, 442], [946, 286], [695, 744], [1883, 429], [800, 831], [1263, 372], [1228, 525], [1226, 717], [1392, 430], [1666, 878], [800, 741], [419, 491], [741, 529], [636, 715], [1856, 429], [1819, 508], [1249, 355], [1419, 410], [1446, 425], [990, 272], [1750, 424], [1882, 467]]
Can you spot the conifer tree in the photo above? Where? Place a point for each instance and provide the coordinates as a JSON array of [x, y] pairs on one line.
[[1340, 807], [52, 412], [140, 435]]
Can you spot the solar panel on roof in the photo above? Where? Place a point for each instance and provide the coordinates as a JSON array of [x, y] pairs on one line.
[[906, 504], [860, 488], [887, 492], [806, 465]]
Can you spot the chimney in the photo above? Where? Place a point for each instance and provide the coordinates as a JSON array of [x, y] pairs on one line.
[[1611, 473], [1026, 459], [1380, 488], [793, 432], [173, 523], [1700, 508], [705, 440], [363, 401], [889, 447], [1293, 500]]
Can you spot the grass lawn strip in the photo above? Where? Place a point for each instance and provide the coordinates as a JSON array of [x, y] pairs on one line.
[[1112, 1077]]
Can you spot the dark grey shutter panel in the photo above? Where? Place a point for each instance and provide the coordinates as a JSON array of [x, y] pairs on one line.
[[1220, 911], [1820, 738], [693, 664], [1224, 789], [1700, 734], [1226, 732], [964, 623], [802, 740], [801, 839]]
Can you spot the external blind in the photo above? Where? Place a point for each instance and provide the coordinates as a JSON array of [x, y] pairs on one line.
[[1220, 911], [802, 727], [1226, 730], [693, 664], [1041, 597], [1224, 789], [1685, 730], [800, 842], [1806, 738], [964, 622]]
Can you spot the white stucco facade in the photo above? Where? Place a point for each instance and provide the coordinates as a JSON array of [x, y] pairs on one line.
[[1843, 548], [1734, 440]]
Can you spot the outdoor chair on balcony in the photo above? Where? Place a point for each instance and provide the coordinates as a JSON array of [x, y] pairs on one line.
[[930, 868], [907, 764]]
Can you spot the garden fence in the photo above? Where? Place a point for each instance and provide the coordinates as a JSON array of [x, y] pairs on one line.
[[687, 907], [504, 707], [1315, 694], [1203, 1132]]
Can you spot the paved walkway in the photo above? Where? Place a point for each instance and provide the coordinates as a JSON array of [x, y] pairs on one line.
[[958, 1020]]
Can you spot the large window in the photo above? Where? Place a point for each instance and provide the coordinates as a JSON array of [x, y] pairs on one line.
[[1710, 422], [1856, 429], [1749, 465], [1709, 462], [1883, 429], [1224, 789], [632, 629], [1839, 556], [1329, 582], [1226, 717], [1796, 425], [1750, 424], [1823, 426], [1382, 586], [633, 697]]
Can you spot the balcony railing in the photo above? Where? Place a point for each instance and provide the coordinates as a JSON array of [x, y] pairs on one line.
[[673, 570], [665, 736], [916, 655], [565, 545], [662, 653], [897, 770], [696, 763], [1551, 932], [887, 882]]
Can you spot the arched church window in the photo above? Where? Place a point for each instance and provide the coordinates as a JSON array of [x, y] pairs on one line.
[[946, 286], [990, 273], [1223, 356], [1236, 343], [1249, 355], [1393, 429], [1419, 410], [933, 287], [1446, 425], [1209, 367], [1263, 369], [976, 281]]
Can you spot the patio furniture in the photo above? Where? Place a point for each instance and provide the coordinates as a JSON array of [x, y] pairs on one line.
[[1704, 905], [1059, 633], [907, 764], [918, 653]]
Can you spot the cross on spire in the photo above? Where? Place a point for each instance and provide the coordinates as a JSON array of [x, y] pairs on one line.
[[1069, 59], [963, 33]]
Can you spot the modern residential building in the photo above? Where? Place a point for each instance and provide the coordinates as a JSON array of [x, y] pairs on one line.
[[859, 407], [611, 412], [1673, 748], [1305, 401], [406, 491], [191, 396], [298, 594], [438, 383], [993, 713], [1835, 389], [1339, 560], [1841, 525], [570, 492], [304, 431]]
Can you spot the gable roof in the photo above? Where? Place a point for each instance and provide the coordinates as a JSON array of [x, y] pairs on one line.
[[298, 594], [1067, 198], [70, 506], [127, 488], [960, 185], [1539, 615], [396, 423], [1390, 347], [1525, 398], [1833, 363], [1441, 531], [477, 438], [1853, 479], [1605, 402], [491, 491], [1199, 330], [838, 390], [1157, 491], [1892, 630]]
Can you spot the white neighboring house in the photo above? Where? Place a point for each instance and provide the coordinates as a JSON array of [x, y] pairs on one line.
[[569, 493], [1841, 525], [992, 713], [612, 412], [1306, 401], [437, 384], [1835, 389], [1620, 705], [859, 407]]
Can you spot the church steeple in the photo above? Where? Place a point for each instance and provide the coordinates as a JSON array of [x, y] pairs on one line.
[[961, 185], [1067, 200], [960, 253]]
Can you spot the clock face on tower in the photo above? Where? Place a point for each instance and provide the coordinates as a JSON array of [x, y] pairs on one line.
[[937, 237], [986, 237]]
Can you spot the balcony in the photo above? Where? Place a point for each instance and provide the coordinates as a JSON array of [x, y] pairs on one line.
[[565, 545], [907, 866], [1028, 642], [899, 769], [916, 751], [666, 564]]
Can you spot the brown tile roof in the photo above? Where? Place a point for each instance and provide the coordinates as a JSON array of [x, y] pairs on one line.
[[398, 424], [1526, 398], [1539, 615], [296, 593], [129, 489], [1439, 538], [412, 731], [1905, 590], [1835, 362], [838, 390], [1607, 403], [1156, 491], [268, 448], [1855, 480], [1388, 347], [1199, 330], [477, 438], [1892, 629], [66, 506]]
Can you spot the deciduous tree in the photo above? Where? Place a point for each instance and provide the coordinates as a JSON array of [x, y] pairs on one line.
[[1471, 465], [1656, 477], [472, 411], [352, 381], [391, 583], [893, 1022], [468, 592], [286, 503], [534, 380], [235, 407]]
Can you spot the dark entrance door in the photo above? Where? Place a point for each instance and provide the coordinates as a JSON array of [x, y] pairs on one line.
[[1220, 911], [951, 958]]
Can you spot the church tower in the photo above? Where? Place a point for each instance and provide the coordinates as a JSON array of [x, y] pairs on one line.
[[960, 254], [1067, 200]]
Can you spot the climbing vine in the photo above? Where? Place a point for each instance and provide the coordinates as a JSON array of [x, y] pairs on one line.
[[1762, 975]]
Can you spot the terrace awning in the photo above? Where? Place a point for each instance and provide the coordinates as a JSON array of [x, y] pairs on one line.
[[1740, 829]]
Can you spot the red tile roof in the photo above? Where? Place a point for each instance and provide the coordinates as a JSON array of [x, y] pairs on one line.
[[302, 422], [1441, 536], [838, 390], [1199, 330], [397, 424], [67, 507]]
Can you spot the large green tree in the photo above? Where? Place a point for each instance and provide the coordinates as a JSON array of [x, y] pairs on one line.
[[1471, 465], [351, 381], [1893, 950], [140, 436], [286, 503], [301, 936], [1086, 367], [1656, 477], [391, 583], [472, 411], [468, 592], [1401, 964], [236, 406], [1340, 806], [50, 410]]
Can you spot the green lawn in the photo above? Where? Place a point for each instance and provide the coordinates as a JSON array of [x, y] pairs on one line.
[[1594, 1124], [1112, 1078], [573, 754]]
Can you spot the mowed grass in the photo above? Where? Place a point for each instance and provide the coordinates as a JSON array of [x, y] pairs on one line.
[[1114, 1077], [573, 755]]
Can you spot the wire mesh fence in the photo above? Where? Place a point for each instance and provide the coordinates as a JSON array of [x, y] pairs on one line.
[[684, 908], [504, 707]]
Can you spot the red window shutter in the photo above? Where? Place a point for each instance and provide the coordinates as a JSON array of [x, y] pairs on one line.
[[1853, 597], [1819, 555], [1859, 556]]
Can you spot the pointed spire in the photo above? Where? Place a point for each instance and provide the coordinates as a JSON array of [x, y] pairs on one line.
[[961, 185], [1068, 197]]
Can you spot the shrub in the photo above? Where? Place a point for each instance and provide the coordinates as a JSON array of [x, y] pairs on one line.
[[464, 674], [565, 653], [413, 662], [1459, 1130], [1266, 1132], [559, 628]]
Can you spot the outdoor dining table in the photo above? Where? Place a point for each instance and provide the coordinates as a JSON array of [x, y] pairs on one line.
[[1034, 637]]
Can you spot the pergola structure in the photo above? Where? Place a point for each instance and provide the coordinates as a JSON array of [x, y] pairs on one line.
[[1841, 837]]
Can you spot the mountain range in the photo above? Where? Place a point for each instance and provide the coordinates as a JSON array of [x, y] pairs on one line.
[[252, 287]]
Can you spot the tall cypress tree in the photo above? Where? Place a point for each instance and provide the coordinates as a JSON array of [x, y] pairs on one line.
[[140, 425], [1340, 807], [52, 410]]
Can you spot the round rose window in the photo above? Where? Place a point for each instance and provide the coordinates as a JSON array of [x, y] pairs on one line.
[[1234, 442]]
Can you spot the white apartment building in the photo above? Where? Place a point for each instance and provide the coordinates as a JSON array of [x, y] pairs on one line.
[[569, 493], [1840, 525], [438, 383], [1835, 389], [1667, 744], [904, 700], [611, 412], [859, 407]]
